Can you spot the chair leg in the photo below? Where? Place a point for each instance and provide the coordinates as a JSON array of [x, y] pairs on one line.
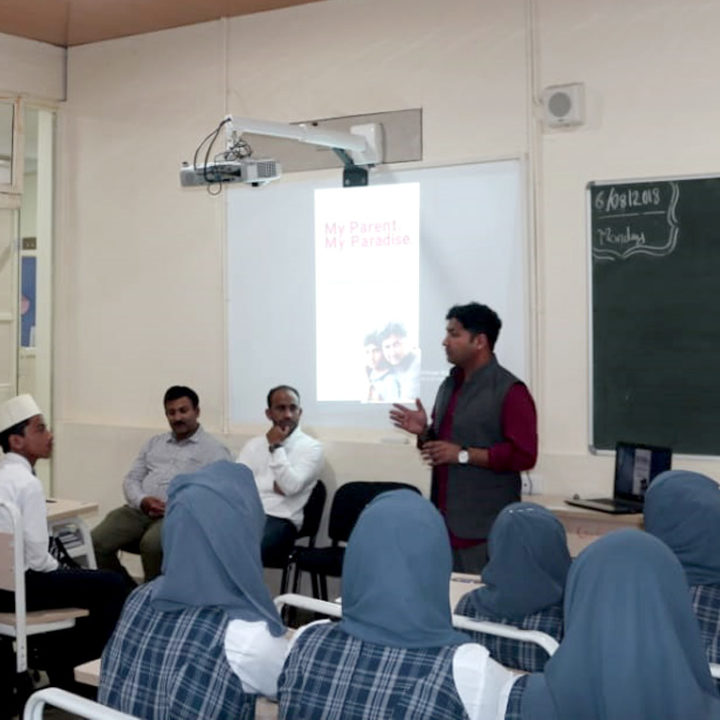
[[296, 579], [7, 683], [315, 585], [323, 588], [284, 579], [16, 689]]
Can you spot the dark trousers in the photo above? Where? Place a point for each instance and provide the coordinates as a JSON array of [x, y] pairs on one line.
[[101, 592], [471, 559], [278, 541]]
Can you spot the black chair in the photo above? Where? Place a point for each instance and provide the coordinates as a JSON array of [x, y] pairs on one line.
[[349, 501], [312, 514]]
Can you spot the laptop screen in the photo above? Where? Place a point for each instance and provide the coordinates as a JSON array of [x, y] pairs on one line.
[[635, 468]]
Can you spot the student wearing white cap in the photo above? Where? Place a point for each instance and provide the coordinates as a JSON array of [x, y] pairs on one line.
[[25, 438]]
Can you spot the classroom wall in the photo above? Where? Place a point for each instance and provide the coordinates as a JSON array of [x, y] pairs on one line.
[[139, 276], [652, 111], [31, 68]]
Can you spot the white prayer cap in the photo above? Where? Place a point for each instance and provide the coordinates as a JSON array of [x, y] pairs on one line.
[[17, 409]]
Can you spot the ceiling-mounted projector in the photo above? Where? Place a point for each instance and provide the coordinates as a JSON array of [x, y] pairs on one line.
[[254, 171], [359, 149]]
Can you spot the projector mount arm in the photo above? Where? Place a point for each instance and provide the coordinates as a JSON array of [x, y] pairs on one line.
[[363, 145]]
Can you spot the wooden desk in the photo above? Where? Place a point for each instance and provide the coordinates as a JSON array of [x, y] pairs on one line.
[[460, 584], [62, 509], [88, 673], [583, 525], [62, 512]]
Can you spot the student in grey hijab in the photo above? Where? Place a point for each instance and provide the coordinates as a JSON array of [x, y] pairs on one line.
[[395, 653], [524, 583], [683, 510], [632, 650], [204, 638]]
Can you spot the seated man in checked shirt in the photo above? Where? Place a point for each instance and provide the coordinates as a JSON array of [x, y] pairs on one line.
[[137, 525]]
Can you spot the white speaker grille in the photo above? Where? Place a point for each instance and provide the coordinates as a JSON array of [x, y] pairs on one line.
[[563, 105]]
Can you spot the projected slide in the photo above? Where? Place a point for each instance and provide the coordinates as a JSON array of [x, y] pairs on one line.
[[367, 293], [341, 322]]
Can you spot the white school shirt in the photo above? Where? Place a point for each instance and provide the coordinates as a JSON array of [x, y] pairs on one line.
[[18, 485], [483, 684], [294, 466], [255, 656]]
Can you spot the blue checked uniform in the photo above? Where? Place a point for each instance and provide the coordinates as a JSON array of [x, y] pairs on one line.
[[513, 708], [516, 654], [330, 675], [706, 606], [171, 665]]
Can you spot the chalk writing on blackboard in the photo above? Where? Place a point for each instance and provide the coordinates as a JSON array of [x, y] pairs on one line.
[[634, 218]]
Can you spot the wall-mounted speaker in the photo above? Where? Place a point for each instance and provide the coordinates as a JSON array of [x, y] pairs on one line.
[[564, 105]]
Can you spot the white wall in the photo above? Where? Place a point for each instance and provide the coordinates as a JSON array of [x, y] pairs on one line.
[[652, 111], [139, 276], [31, 68]]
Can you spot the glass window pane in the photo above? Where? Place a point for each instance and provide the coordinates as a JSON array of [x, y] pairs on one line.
[[6, 143], [8, 302]]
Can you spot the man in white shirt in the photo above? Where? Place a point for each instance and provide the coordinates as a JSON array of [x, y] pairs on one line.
[[25, 438], [137, 526], [286, 464]]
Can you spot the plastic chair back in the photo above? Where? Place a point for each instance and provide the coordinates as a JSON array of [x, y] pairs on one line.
[[312, 512], [350, 500], [20, 624]]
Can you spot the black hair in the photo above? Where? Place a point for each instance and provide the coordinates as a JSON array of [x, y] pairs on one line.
[[393, 328], [17, 429], [180, 391], [476, 319], [372, 338], [281, 387]]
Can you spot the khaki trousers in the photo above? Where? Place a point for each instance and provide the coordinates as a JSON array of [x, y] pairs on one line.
[[129, 529]]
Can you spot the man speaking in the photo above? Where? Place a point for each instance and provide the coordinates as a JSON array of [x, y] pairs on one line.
[[482, 435]]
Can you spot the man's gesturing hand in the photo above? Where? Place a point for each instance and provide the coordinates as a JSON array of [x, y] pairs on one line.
[[413, 421]]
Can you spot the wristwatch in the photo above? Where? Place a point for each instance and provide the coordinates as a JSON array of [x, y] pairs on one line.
[[463, 456]]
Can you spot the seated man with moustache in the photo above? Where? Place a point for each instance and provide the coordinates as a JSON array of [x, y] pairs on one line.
[[286, 464], [138, 524]]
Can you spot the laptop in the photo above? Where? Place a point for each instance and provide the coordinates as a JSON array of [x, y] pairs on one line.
[[635, 468]]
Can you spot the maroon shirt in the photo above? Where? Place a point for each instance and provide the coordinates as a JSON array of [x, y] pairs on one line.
[[517, 451]]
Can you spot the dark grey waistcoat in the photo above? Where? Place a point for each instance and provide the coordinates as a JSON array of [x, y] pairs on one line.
[[476, 495]]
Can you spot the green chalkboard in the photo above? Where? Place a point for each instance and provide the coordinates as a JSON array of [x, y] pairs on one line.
[[656, 313]]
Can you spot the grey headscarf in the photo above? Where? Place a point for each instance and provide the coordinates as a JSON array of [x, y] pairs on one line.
[[632, 648], [211, 546]]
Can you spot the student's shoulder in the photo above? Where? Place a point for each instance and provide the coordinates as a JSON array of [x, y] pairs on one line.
[[20, 476], [313, 629]]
